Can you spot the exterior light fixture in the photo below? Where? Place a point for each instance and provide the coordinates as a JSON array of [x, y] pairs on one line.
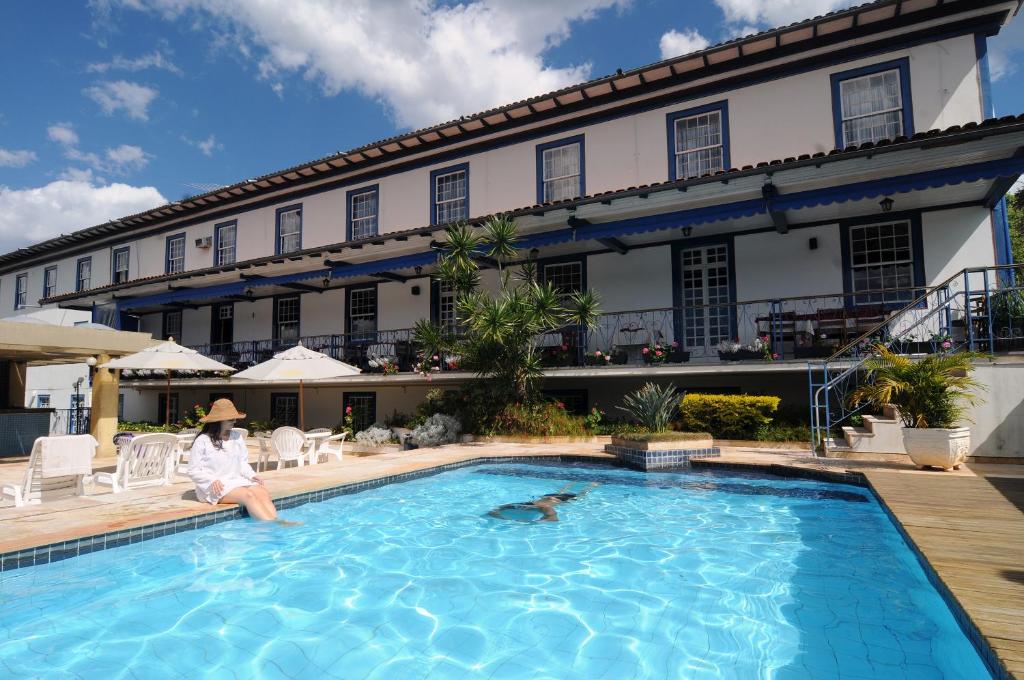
[[418, 269], [327, 281], [90, 362], [687, 231], [534, 253], [886, 204]]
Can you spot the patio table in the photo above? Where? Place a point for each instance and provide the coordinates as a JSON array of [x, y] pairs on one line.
[[314, 439]]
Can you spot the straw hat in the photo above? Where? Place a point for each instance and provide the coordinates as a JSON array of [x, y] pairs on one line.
[[222, 409]]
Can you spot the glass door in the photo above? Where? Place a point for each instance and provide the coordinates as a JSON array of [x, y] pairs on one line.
[[707, 314]]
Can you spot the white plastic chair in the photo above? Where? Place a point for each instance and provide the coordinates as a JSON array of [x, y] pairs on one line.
[[242, 431], [35, 488], [327, 447], [266, 453], [186, 438], [147, 461], [289, 444]]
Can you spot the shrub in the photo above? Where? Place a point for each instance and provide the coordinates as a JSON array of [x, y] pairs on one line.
[[538, 420], [129, 426], [375, 435], [652, 406], [784, 432], [663, 436], [438, 429], [727, 416]]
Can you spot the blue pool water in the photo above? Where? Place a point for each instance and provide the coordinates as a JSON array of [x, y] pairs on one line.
[[667, 575]]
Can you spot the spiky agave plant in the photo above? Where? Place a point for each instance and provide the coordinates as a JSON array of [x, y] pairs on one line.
[[652, 406], [933, 392]]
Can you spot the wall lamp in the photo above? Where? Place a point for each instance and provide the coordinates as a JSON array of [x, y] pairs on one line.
[[886, 204], [687, 231], [534, 253]]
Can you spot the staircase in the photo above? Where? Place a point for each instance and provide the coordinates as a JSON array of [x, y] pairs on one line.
[[957, 315]]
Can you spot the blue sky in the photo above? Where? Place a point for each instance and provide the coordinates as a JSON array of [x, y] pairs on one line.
[[114, 106]]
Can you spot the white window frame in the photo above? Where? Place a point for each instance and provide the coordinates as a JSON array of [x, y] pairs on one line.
[[353, 317], [171, 332], [678, 125], [363, 226], [175, 263], [296, 324], [221, 248], [547, 270], [21, 291], [296, 234], [868, 293], [450, 205], [49, 287], [127, 260], [844, 119], [550, 183], [83, 282]]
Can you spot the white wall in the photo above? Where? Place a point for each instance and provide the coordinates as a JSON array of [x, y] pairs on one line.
[[998, 427], [398, 308], [954, 240], [639, 279], [772, 265]]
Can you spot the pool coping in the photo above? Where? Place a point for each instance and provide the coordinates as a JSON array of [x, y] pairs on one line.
[[61, 550]]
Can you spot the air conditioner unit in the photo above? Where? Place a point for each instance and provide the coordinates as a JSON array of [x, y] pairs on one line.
[[204, 242]]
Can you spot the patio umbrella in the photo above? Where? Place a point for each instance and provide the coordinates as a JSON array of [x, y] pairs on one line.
[[167, 356], [299, 363]]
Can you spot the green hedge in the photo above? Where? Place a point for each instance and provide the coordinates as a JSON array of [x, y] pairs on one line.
[[727, 416]]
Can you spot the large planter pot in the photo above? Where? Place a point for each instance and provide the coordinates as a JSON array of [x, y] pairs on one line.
[[934, 447]]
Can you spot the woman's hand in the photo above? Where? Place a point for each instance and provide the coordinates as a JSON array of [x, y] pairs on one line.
[[257, 479], [216, 486]]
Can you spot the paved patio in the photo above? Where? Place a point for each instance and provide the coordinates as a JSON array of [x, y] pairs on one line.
[[969, 524]]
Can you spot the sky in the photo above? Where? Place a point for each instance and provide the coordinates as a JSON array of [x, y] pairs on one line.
[[112, 107]]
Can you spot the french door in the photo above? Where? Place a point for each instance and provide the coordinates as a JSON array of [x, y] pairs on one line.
[[707, 314]]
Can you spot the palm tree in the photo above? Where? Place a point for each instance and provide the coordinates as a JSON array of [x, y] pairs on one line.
[[933, 392], [500, 332]]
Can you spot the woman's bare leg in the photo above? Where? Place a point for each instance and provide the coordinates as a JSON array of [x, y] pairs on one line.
[[255, 507], [263, 497]]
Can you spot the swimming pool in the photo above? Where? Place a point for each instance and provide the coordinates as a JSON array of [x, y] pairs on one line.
[[650, 575]]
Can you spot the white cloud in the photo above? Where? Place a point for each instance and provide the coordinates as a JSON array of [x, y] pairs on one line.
[[1005, 49], [16, 159], [62, 133], [675, 43], [154, 59], [116, 95], [127, 157], [752, 15], [65, 205], [426, 61], [1017, 187], [206, 146]]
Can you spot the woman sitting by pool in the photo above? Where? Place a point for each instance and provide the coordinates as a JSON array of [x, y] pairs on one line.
[[219, 465], [541, 509]]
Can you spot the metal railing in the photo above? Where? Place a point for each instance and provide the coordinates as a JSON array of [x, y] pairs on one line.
[[977, 309], [70, 420]]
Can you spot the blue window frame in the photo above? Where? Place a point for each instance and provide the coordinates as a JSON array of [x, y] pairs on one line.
[[49, 282], [872, 103], [174, 254], [42, 401], [362, 212], [20, 291], [225, 243], [172, 325], [698, 141], [561, 169], [288, 229], [83, 274], [119, 264], [449, 194], [361, 313], [883, 260]]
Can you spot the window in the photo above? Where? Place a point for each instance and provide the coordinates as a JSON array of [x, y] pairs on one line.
[[49, 282], [364, 408], [362, 213], [284, 409], [224, 247], [175, 256], [560, 170], [172, 325], [286, 318], [872, 103], [565, 277], [83, 274], [449, 194], [289, 229], [161, 405], [698, 141], [42, 401], [882, 259], [120, 265], [362, 313], [447, 316], [20, 290]]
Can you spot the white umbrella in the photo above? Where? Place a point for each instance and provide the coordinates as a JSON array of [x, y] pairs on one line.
[[298, 363], [167, 356]]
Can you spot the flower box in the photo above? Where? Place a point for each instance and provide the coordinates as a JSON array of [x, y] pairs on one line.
[[670, 356], [814, 352], [741, 355], [620, 357]]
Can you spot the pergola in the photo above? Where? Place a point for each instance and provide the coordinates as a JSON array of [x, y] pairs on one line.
[[23, 345]]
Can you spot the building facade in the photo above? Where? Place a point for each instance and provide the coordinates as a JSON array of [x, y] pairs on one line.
[[796, 185]]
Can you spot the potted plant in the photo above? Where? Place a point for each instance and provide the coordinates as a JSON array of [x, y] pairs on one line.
[[815, 345], [660, 353], [732, 350], [619, 356], [931, 395], [598, 358], [1008, 320]]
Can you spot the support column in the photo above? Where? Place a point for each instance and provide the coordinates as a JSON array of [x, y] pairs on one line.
[[103, 418], [17, 376]]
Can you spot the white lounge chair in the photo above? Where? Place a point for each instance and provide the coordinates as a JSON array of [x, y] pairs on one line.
[[149, 460], [289, 443], [39, 483], [332, 446]]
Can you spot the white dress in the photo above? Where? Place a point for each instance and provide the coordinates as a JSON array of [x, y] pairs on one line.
[[229, 465]]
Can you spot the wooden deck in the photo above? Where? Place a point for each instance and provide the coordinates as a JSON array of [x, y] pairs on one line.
[[971, 531]]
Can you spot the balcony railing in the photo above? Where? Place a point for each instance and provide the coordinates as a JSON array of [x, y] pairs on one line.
[[70, 420], [797, 328]]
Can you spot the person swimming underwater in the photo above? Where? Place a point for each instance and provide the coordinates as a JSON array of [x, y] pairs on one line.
[[543, 506]]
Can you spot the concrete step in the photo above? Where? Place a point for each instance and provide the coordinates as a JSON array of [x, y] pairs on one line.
[[877, 435]]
